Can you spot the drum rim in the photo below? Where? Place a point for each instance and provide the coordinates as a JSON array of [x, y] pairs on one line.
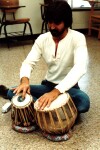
[[21, 106]]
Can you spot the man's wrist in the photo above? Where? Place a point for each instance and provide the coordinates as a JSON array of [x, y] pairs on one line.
[[24, 80], [57, 91]]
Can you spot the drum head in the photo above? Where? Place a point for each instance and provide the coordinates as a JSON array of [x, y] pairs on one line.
[[61, 100], [19, 102]]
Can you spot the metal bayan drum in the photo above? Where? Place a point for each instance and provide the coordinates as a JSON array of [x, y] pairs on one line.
[[59, 117], [22, 112]]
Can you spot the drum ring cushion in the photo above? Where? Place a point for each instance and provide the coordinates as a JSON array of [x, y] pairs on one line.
[[24, 129], [57, 138]]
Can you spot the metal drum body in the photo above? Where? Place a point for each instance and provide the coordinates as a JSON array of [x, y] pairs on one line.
[[22, 112], [59, 117]]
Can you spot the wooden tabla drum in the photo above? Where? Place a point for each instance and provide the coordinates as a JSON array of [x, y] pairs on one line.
[[22, 112], [59, 117]]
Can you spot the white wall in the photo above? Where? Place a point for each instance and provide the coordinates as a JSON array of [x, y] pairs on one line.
[[80, 19], [32, 10]]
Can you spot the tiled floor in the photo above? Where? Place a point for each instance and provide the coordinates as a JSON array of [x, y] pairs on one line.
[[86, 134]]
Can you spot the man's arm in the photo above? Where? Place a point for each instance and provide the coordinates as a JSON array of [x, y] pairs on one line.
[[26, 69], [23, 87], [79, 68]]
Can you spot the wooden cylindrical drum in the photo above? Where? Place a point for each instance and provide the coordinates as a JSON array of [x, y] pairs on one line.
[[59, 117], [22, 112]]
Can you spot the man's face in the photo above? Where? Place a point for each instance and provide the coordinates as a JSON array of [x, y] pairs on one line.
[[56, 29]]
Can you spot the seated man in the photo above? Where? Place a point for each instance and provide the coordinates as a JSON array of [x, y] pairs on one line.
[[65, 52]]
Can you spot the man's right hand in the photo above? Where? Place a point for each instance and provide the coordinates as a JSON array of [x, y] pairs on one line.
[[23, 88]]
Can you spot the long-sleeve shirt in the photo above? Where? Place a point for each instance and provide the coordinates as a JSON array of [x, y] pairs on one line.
[[67, 67]]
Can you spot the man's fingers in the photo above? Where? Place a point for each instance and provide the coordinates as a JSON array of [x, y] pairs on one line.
[[15, 90], [49, 102], [42, 103], [24, 93], [28, 91]]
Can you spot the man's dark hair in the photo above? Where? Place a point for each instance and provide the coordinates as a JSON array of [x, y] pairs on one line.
[[59, 11]]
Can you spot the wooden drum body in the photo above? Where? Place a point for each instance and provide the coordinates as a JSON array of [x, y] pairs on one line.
[[22, 112], [59, 117]]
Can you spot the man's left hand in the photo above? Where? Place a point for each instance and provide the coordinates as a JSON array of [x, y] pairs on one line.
[[47, 98]]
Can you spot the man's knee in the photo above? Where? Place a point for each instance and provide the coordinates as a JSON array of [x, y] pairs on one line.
[[10, 94], [82, 102]]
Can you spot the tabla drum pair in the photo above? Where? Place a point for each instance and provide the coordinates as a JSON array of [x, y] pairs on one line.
[[56, 119], [59, 117]]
